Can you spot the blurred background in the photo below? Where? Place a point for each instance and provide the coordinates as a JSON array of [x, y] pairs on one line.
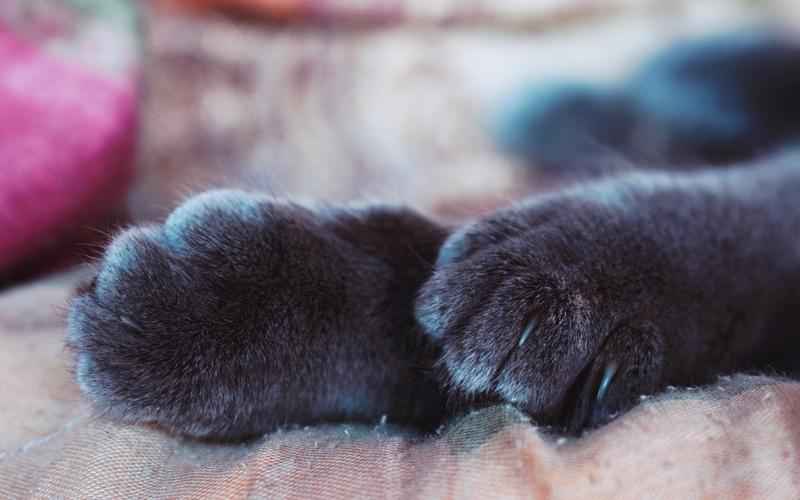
[[113, 110]]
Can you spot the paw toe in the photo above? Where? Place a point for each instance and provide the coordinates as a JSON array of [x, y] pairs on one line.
[[209, 220], [133, 254]]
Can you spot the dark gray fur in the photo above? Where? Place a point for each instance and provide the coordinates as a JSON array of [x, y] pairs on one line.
[[241, 313]]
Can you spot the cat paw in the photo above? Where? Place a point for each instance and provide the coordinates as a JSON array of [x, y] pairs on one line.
[[553, 306], [239, 314]]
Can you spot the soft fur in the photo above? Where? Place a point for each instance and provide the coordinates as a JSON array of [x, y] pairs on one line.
[[241, 313], [710, 102]]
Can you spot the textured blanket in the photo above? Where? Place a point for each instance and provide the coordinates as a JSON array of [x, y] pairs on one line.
[[738, 439]]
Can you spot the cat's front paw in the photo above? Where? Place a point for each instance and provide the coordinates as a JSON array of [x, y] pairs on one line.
[[170, 331], [553, 306], [239, 314]]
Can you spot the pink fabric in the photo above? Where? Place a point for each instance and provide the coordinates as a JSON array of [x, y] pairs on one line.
[[66, 138]]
